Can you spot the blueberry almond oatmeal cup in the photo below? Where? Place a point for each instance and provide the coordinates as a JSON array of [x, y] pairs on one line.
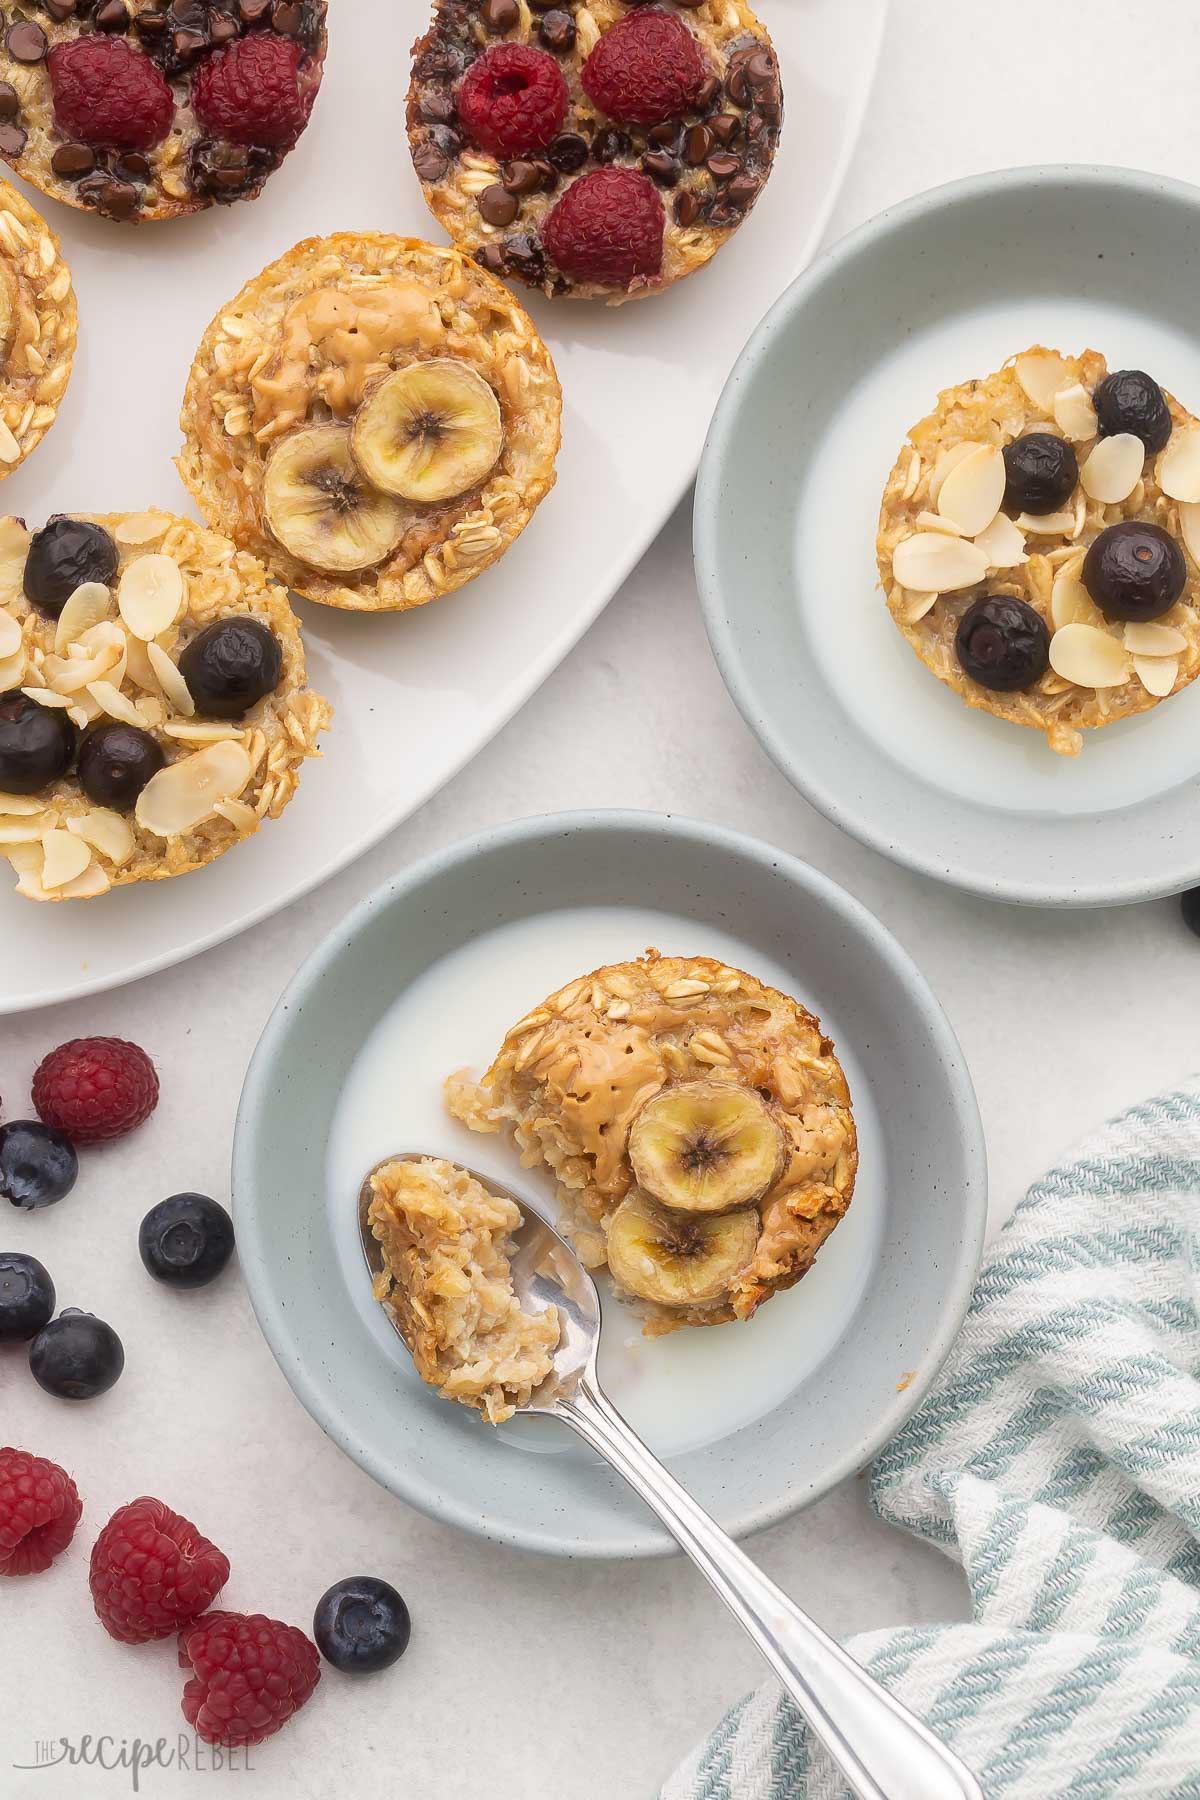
[[600, 149], [1039, 543], [146, 109], [154, 707]]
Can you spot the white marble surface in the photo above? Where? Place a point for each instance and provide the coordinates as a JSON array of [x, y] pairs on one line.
[[527, 1678]]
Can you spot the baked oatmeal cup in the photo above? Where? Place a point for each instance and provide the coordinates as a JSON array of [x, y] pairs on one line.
[[154, 708], [375, 418], [38, 325], [697, 1124], [1039, 543], [147, 109], [445, 1243], [597, 149]]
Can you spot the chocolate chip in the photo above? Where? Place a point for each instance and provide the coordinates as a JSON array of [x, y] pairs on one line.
[[663, 137], [723, 164], [112, 15], [688, 207], [769, 102], [697, 143], [500, 15], [557, 30], [132, 167], [188, 44], [253, 12], [722, 214], [547, 175], [522, 177], [222, 29], [26, 42], [662, 167], [429, 162], [437, 107], [491, 258], [10, 103], [742, 191], [756, 127], [707, 94], [447, 141], [760, 68], [150, 25], [610, 143], [497, 206], [13, 139], [738, 87], [73, 160], [524, 257], [568, 152], [115, 199], [60, 10], [287, 19], [725, 127]]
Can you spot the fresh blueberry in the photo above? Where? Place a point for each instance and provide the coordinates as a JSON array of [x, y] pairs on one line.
[[186, 1240], [37, 744], [62, 556], [76, 1356], [26, 1297], [1002, 643], [361, 1625], [38, 1165], [231, 665], [1134, 571], [1041, 471], [1130, 400]]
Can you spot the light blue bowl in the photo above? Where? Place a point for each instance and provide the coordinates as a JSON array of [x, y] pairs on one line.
[[312, 1296]]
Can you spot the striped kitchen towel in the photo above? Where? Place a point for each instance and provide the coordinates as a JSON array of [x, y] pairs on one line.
[[1058, 1458]]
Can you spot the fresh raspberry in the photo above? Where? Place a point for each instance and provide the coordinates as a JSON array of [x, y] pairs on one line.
[[607, 228], [106, 92], [152, 1572], [39, 1510], [94, 1089], [250, 93], [249, 1675], [647, 69], [512, 99]]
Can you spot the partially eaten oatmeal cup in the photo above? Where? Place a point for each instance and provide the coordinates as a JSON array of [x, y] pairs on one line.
[[697, 1124], [154, 705], [445, 1243], [1039, 543], [375, 418]]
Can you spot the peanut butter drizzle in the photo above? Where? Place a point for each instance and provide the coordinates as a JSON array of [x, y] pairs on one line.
[[614, 1076], [353, 333]]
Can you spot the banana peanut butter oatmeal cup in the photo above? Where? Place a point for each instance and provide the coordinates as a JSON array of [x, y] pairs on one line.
[[375, 418], [697, 1124], [38, 324], [601, 149], [153, 702], [1039, 543], [446, 1280], [146, 109]]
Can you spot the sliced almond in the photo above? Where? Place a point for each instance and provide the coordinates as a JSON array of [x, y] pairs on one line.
[[19, 806], [203, 731], [150, 596], [27, 860], [98, 652], [87, 606], [142, 528], [932, 562], [179, 796], [107, 832], [117, 705], [1070, 602], [170, 680], [12, 671], [1179, 465], [236, 812], [971, 494], [1042, 374], [14, 548], [1046, 524], [1088, 657], [1147, 640], [1113, 469], [11, 636], [45, 696], [917, 606], [26, 831], [927, 521], [1189, 524], [1074, 413], [66, 857], [1156, 673], [948, 460], [137, 663], [1002, 543], [152, 711]]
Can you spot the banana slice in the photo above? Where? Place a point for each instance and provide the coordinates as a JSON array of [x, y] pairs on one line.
[[678, 1261], [430, 431], [706, 1146], [320, 507]]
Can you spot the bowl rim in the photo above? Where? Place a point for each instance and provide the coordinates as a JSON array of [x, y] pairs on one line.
[[885, 228], [400, 890]]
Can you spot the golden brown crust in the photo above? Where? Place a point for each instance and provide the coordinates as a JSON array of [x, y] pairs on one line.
[[571, 1077], [232, 411], [38, 327], [995, 411]]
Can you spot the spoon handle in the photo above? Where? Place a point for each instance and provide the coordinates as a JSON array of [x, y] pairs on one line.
[[883, 1752]]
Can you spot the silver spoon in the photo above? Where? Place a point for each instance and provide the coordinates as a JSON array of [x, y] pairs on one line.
[[881, 1749]]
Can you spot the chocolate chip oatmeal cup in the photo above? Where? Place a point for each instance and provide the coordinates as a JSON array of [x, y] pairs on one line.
[[697, 1124], [600, 149], [146, 109], [375, 418], [38, 325], [1039, 543], [154, 707]]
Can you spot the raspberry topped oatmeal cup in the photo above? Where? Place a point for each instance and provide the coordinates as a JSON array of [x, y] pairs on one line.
[[697, 1124], [154, 707], [1039, 543], [375, 418], [146, 109], [605, 149]]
